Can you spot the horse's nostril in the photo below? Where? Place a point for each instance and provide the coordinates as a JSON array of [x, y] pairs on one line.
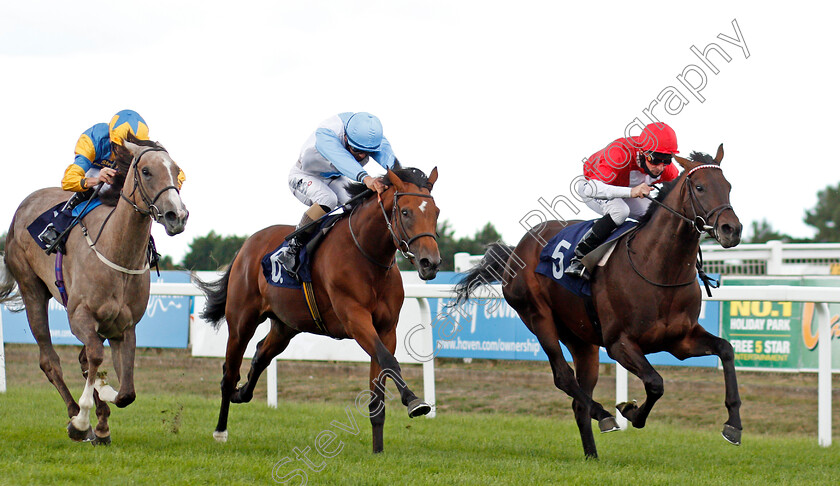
[[171, 216]]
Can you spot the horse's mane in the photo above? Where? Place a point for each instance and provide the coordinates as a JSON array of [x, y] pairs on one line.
[[406, 174], [122, 162], [701, 157]]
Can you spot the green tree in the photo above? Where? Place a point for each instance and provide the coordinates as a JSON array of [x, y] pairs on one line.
[[212, 252], [448, 245], [762, 232], [477, 244], [166, 263], [825, 217]]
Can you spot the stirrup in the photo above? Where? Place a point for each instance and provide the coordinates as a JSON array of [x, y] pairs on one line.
[[576, 268], [50, 237], [289, 259]]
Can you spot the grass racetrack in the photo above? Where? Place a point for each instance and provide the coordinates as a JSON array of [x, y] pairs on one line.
[[165, 436]]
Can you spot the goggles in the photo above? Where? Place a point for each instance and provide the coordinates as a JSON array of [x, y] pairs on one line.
[[658, 158]]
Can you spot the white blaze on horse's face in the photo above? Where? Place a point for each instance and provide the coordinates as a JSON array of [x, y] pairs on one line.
[[158, 177], [423, 206], [171, 206], [173, 170]]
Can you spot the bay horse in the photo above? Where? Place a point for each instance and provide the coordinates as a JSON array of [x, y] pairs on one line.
[[356, 285], [107, 283], [645, 297]]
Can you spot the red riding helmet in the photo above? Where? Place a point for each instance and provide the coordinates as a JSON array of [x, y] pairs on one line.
[[658, 137]]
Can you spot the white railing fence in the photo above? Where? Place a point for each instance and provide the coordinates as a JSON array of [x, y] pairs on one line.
[[771, 258], [422, 292]]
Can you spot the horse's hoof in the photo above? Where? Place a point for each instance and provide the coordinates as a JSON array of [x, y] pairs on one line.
[[106, 441], [418, 407], [624, 408], [608, 424], [220, 436], [731, 434], [77, 435]]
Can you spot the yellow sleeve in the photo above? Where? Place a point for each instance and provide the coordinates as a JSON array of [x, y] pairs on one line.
[[72, 180], [181, 178], [84, 147]]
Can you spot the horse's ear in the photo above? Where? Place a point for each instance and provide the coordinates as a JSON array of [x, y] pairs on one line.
[[432, 179], [132, 148], [396, 181], [719, 155], [685, 163]]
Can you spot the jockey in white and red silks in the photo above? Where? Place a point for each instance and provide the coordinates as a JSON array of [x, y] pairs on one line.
[[618, 178]]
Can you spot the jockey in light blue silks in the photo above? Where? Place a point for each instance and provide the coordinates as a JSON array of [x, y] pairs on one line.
[[331, 159]]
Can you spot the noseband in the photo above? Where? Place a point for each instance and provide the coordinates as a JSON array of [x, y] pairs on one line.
[[152, 211]]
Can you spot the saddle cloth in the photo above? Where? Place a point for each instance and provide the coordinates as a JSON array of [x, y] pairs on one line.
[[276, 275], [556, 255]]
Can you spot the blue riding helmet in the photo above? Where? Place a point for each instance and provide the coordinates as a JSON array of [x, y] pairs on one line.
[[364, 132]]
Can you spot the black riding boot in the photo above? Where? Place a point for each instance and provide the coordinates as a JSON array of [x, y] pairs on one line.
[[593, 238], [288, 257], [52, 232]]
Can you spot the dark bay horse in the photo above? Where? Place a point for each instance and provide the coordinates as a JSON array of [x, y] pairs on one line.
[[107, 282], [357, 287], [645, 297]]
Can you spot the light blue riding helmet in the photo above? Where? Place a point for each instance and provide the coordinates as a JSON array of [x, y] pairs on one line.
[[364, 132]]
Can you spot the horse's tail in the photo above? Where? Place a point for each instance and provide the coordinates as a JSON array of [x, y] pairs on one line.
[[216, 292], [9, 294], [490, 269]]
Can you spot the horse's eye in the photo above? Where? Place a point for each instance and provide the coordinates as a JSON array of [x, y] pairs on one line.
[[404, 212], [146, 172], [699, 188]]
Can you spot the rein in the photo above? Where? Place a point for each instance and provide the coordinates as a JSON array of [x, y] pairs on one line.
[[699, 224], [152, 211]]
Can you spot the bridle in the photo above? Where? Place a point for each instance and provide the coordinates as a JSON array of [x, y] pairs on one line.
[[698, 222], [152, 211], [403, 240]]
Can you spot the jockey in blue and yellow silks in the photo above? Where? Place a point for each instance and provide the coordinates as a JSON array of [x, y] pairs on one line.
[[93, 150], [94, 164]]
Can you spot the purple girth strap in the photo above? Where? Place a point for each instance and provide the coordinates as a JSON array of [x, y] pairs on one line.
[[59, 277]]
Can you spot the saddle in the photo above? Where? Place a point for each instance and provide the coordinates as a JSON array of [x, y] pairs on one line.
[[52, 225], [274, 272], [556, 255], [52, 228]]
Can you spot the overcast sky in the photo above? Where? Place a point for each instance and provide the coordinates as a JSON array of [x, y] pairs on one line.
[[505, 98]]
